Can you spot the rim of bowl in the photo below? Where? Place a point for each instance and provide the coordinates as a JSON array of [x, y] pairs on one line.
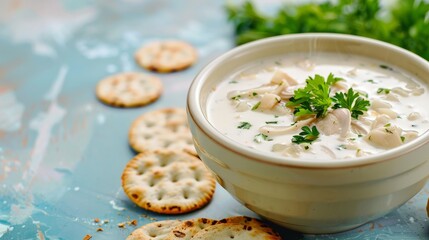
[[196, 113]]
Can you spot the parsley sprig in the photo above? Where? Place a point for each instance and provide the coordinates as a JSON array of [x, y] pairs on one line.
[[244, 125], [352, 101], [314, 98], [306, 136]]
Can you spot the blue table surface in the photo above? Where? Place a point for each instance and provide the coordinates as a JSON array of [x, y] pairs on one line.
[[62, 152]]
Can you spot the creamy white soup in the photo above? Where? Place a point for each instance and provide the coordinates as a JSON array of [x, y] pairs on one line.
[[327, 106]]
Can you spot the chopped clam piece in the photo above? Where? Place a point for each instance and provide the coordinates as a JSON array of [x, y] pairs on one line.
[[376, 104], [391, 97], [418, 91], [389, 112], [409, 135], [269, 100], [338, 121], [344, 116], [385, 137], [358, 128], [400, 91], [329, 125], [380, 121], [280, 76], [414, 116]]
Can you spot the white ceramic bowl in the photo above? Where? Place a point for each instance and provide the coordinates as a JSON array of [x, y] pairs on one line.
[[309, 196]]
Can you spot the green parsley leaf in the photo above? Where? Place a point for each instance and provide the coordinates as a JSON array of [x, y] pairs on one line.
[[254, 94], [306, 136], [352, 101], [244, 125], [236, 97], [386, 67], [402, 138], [383, 90], [261, 137], [314, 98], [233, 81], [256, 106], [272, 122]]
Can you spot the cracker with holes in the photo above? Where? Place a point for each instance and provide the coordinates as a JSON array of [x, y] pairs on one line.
[[162, 129], [167, 181], [187, 229], [166, 56], [129, 89], [238, 228], [154, 231]]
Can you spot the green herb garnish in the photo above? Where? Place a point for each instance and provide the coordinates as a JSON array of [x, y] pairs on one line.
[[244, 125], [256, 106], [314, 98], [370, 81], [233, 81], [272, 122], [254, 94], [383, 90], [259, 137], [306, 136], [236, 97], [352, 101], [341, 147], [402, 138], [386, 67]]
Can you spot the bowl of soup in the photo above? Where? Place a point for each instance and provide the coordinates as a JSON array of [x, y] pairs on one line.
[[318, 133]]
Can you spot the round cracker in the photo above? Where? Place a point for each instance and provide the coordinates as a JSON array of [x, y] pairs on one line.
[[162, 129], [154, 231], [237, 228], [236, 232], [129, 89], [166, 56], [169, 182], [189, 228]]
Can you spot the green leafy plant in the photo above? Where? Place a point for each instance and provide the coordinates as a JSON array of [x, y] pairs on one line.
[[405, 24]]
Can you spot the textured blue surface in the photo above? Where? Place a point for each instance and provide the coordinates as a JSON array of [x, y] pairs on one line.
[[62, 152]]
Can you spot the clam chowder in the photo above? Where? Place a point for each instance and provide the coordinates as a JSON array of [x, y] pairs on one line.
[[327, 106]]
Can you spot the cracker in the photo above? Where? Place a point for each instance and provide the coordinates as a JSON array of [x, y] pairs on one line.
[[238, 228], [187, 229], [169, 182], [166, 56], [162, 129], [129, 89], [153, 231]]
